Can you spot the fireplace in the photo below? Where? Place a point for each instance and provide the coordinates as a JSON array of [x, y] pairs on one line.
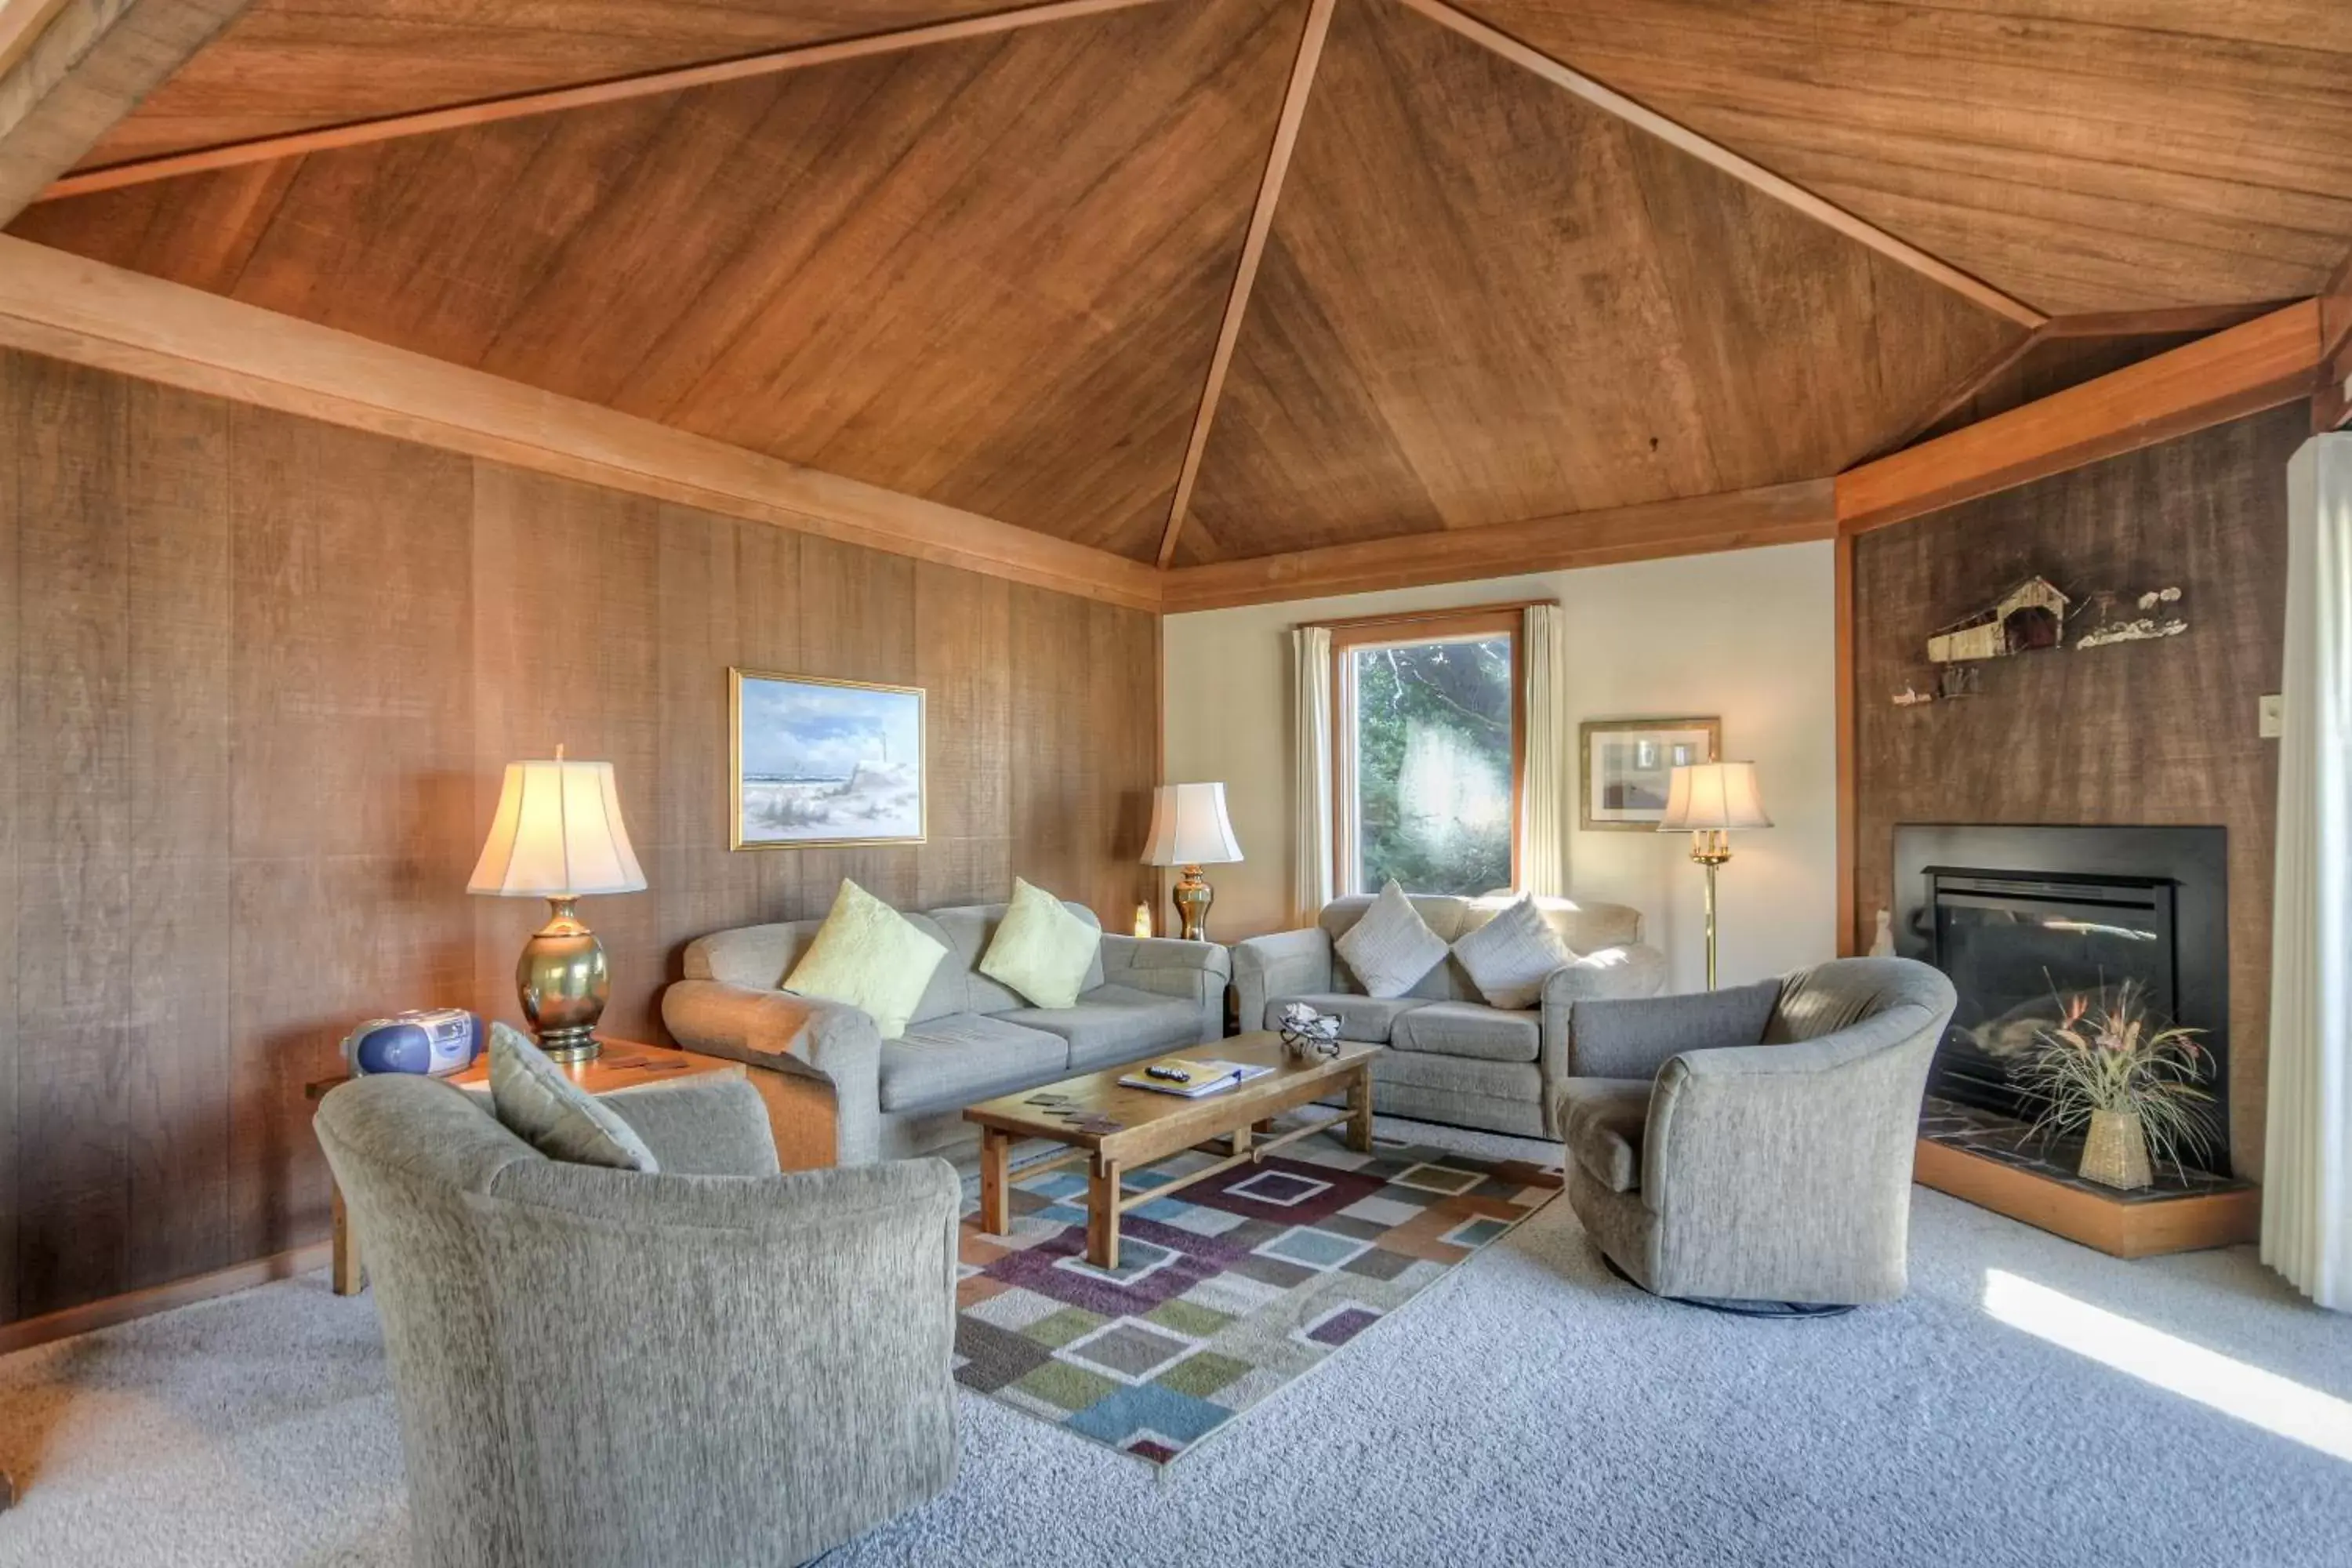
[[2024, 919]]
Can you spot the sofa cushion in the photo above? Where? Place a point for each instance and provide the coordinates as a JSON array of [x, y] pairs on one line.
[[1366, 1018], [965, 1056], [1602, 1121], [1507, 957], [871, 956], [1114, 1024], [968, 929], [1468, 1029], [538, 1103], [1392, 949], [1041, 950]]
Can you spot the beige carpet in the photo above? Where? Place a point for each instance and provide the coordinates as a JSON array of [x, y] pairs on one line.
[[1530, 1409]]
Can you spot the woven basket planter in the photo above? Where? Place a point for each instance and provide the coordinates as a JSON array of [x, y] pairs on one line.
[[2115, 1153]]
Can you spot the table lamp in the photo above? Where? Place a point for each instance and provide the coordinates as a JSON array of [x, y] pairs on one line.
[[1707, 800], [558, 836], [1190, 828]]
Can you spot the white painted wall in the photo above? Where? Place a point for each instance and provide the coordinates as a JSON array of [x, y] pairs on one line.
[[1749, 636]]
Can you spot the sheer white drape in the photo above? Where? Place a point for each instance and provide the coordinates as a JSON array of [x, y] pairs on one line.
[[1546, 796], [2307, 1155], [1310, 829]]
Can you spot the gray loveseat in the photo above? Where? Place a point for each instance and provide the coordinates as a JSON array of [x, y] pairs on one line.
[[601, 1369], [1754, 1144], [969, 1038], [1451, 1057]]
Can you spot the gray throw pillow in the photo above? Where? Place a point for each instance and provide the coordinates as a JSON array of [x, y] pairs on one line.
[[1391, 947], [535, 1101], [1509, 957]]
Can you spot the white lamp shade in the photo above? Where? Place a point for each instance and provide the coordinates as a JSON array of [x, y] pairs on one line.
[[558, 833], [1717, 796], [1188, 826]]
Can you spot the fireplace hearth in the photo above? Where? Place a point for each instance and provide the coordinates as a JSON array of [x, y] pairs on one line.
[[2022, 920]]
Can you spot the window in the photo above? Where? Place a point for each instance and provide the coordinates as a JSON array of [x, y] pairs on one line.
[[1429, 752]]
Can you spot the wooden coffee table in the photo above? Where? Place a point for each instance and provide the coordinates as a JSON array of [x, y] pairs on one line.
[[1154, 1127]]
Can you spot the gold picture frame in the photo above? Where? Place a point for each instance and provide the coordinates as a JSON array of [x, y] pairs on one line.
[[1620, 787], [806, 733]]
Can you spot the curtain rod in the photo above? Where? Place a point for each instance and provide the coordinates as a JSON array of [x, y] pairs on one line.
[[1447, 613]]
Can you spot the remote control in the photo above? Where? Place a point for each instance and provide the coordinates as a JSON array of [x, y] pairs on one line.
[[1168, 1075]]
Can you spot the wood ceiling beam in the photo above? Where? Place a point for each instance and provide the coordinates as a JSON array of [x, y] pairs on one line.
[[2160, 322], [2331, 406], [1229, 330], [1676, 134], [2264, 363], [74, 68], [1739, 519], [72, 309], [552, 101]]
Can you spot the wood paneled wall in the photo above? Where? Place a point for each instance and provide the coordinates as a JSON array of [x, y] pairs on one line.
[[2158, 733], [258, 677]]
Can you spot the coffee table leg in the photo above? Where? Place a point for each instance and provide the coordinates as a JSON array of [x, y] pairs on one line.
[[1360, 1111], [346, 1273], [995, 1199], [1102, 1213]]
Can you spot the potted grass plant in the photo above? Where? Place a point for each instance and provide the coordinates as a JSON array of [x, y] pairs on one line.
[[2130, 1082]]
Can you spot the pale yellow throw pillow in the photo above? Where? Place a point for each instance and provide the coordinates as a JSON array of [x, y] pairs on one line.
[[868, 955], [1041, 949]]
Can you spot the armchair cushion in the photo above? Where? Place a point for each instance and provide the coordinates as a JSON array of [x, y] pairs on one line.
[[1601, 1121], [1467, 1029], [1508, 956], [965, 1056], [533, 1099], [871, 956], [1041, 950], [1115, 1024], [1391, 947], [1367, 1018], [707, 1125], [1634, 1037]]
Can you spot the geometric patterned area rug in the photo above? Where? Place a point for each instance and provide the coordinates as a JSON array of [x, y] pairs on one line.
[[1226, 1292]]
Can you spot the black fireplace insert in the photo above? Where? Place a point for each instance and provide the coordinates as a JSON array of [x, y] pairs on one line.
[[2026, 919]]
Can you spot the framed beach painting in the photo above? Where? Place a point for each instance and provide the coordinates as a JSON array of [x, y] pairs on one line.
[[1628, 763], [817, 762]]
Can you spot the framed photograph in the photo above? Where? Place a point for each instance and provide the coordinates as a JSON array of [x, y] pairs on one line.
[[816, 762], [1627, 765]]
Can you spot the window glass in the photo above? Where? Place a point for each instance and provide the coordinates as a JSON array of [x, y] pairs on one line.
[[1429, 765]]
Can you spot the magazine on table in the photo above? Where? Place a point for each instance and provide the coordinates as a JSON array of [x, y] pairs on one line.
[[1190, 1078]]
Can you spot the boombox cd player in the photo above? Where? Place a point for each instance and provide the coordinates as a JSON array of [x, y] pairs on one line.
[[436, 1040]]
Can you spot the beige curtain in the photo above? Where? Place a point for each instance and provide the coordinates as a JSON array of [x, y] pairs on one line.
[[1549, 795], [2308, 1150], [1310, 829]]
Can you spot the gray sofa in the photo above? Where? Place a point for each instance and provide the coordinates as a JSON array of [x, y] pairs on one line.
[[969, 1038], [1754, 1144], [1450, 1057], [602, 1369]]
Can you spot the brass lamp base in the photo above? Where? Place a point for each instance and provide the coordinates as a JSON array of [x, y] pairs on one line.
[[564, 984], [1710, 847], [1192, 899]]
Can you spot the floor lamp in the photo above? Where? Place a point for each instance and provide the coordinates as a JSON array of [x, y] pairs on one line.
[[1707, 800]]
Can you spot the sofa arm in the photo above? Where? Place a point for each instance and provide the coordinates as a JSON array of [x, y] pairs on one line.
[[799, 1034], [1771, 1166], [1197, 971], [1287, 963]]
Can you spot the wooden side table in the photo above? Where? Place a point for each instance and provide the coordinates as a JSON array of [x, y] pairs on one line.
[[621, 1064]]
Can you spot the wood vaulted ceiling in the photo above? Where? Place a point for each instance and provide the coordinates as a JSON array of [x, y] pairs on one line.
[[991, 270]]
